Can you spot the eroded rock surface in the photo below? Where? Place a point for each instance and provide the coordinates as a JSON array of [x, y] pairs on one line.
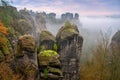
[[25, 58], [69, 47], [48, 58]]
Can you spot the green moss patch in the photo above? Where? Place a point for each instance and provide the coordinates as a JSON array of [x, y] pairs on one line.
[[48, 53], [48, 57], [46, 35], [67, 30]]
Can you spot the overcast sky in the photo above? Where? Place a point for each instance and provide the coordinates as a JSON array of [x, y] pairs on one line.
[[83, 7]]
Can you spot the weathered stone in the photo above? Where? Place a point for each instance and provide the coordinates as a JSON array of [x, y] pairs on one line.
[[115, 43], [76, 16], [25, 58], [23, 26], [49, 65], [47, 41], [69, 47], [48, 58]]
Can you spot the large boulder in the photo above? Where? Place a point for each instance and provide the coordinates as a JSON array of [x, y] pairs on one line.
[[49, 65], [69, 44]]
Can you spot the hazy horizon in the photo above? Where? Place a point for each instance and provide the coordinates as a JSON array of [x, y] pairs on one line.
[[83, 7]]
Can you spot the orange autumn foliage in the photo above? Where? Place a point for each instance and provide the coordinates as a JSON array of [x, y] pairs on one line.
[[3, 29]]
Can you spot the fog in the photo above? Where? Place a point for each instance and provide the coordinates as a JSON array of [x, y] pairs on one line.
[[90, 29], [101, 23], [93, 26]]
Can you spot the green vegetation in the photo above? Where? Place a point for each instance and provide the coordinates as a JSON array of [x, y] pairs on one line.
[[55, 47], [48, 53], [46, 35], [6, 18], [67, 30], [5, 45], [104, 64], [55, 70], [67, 24], [42, 47], [46, 71]]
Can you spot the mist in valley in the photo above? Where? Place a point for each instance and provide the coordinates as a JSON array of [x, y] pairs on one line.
[[91, 28]]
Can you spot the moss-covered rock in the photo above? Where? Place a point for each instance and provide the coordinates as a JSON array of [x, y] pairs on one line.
[[55, 71], [46, 35], [48, 53], [69, 44], [26, 58], [67, 30], [48, 57], [23, 26], [26, 42], [47, 41], [49, 65]]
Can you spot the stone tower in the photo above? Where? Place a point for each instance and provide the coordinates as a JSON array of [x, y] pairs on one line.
[[69, 44]]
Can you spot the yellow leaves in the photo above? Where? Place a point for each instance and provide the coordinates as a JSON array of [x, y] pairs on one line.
[[3, 29]]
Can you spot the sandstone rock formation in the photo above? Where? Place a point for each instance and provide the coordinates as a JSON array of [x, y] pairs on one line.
[[25, 58], [115, 45], [116, 39], [47, 40], [69, 47], [48, 58], [36, 20]]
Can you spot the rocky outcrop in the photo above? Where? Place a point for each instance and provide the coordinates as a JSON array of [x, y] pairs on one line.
[[49, 65], [115, 44], [116, 39], [40, 22], [36, 20], [47, 41], [25, 56], [23, 26], [48, 58], [69, 44]]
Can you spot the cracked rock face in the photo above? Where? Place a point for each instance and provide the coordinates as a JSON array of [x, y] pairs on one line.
[[69, 44]]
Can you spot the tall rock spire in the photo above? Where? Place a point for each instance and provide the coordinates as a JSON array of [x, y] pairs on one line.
[[69, 44]]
